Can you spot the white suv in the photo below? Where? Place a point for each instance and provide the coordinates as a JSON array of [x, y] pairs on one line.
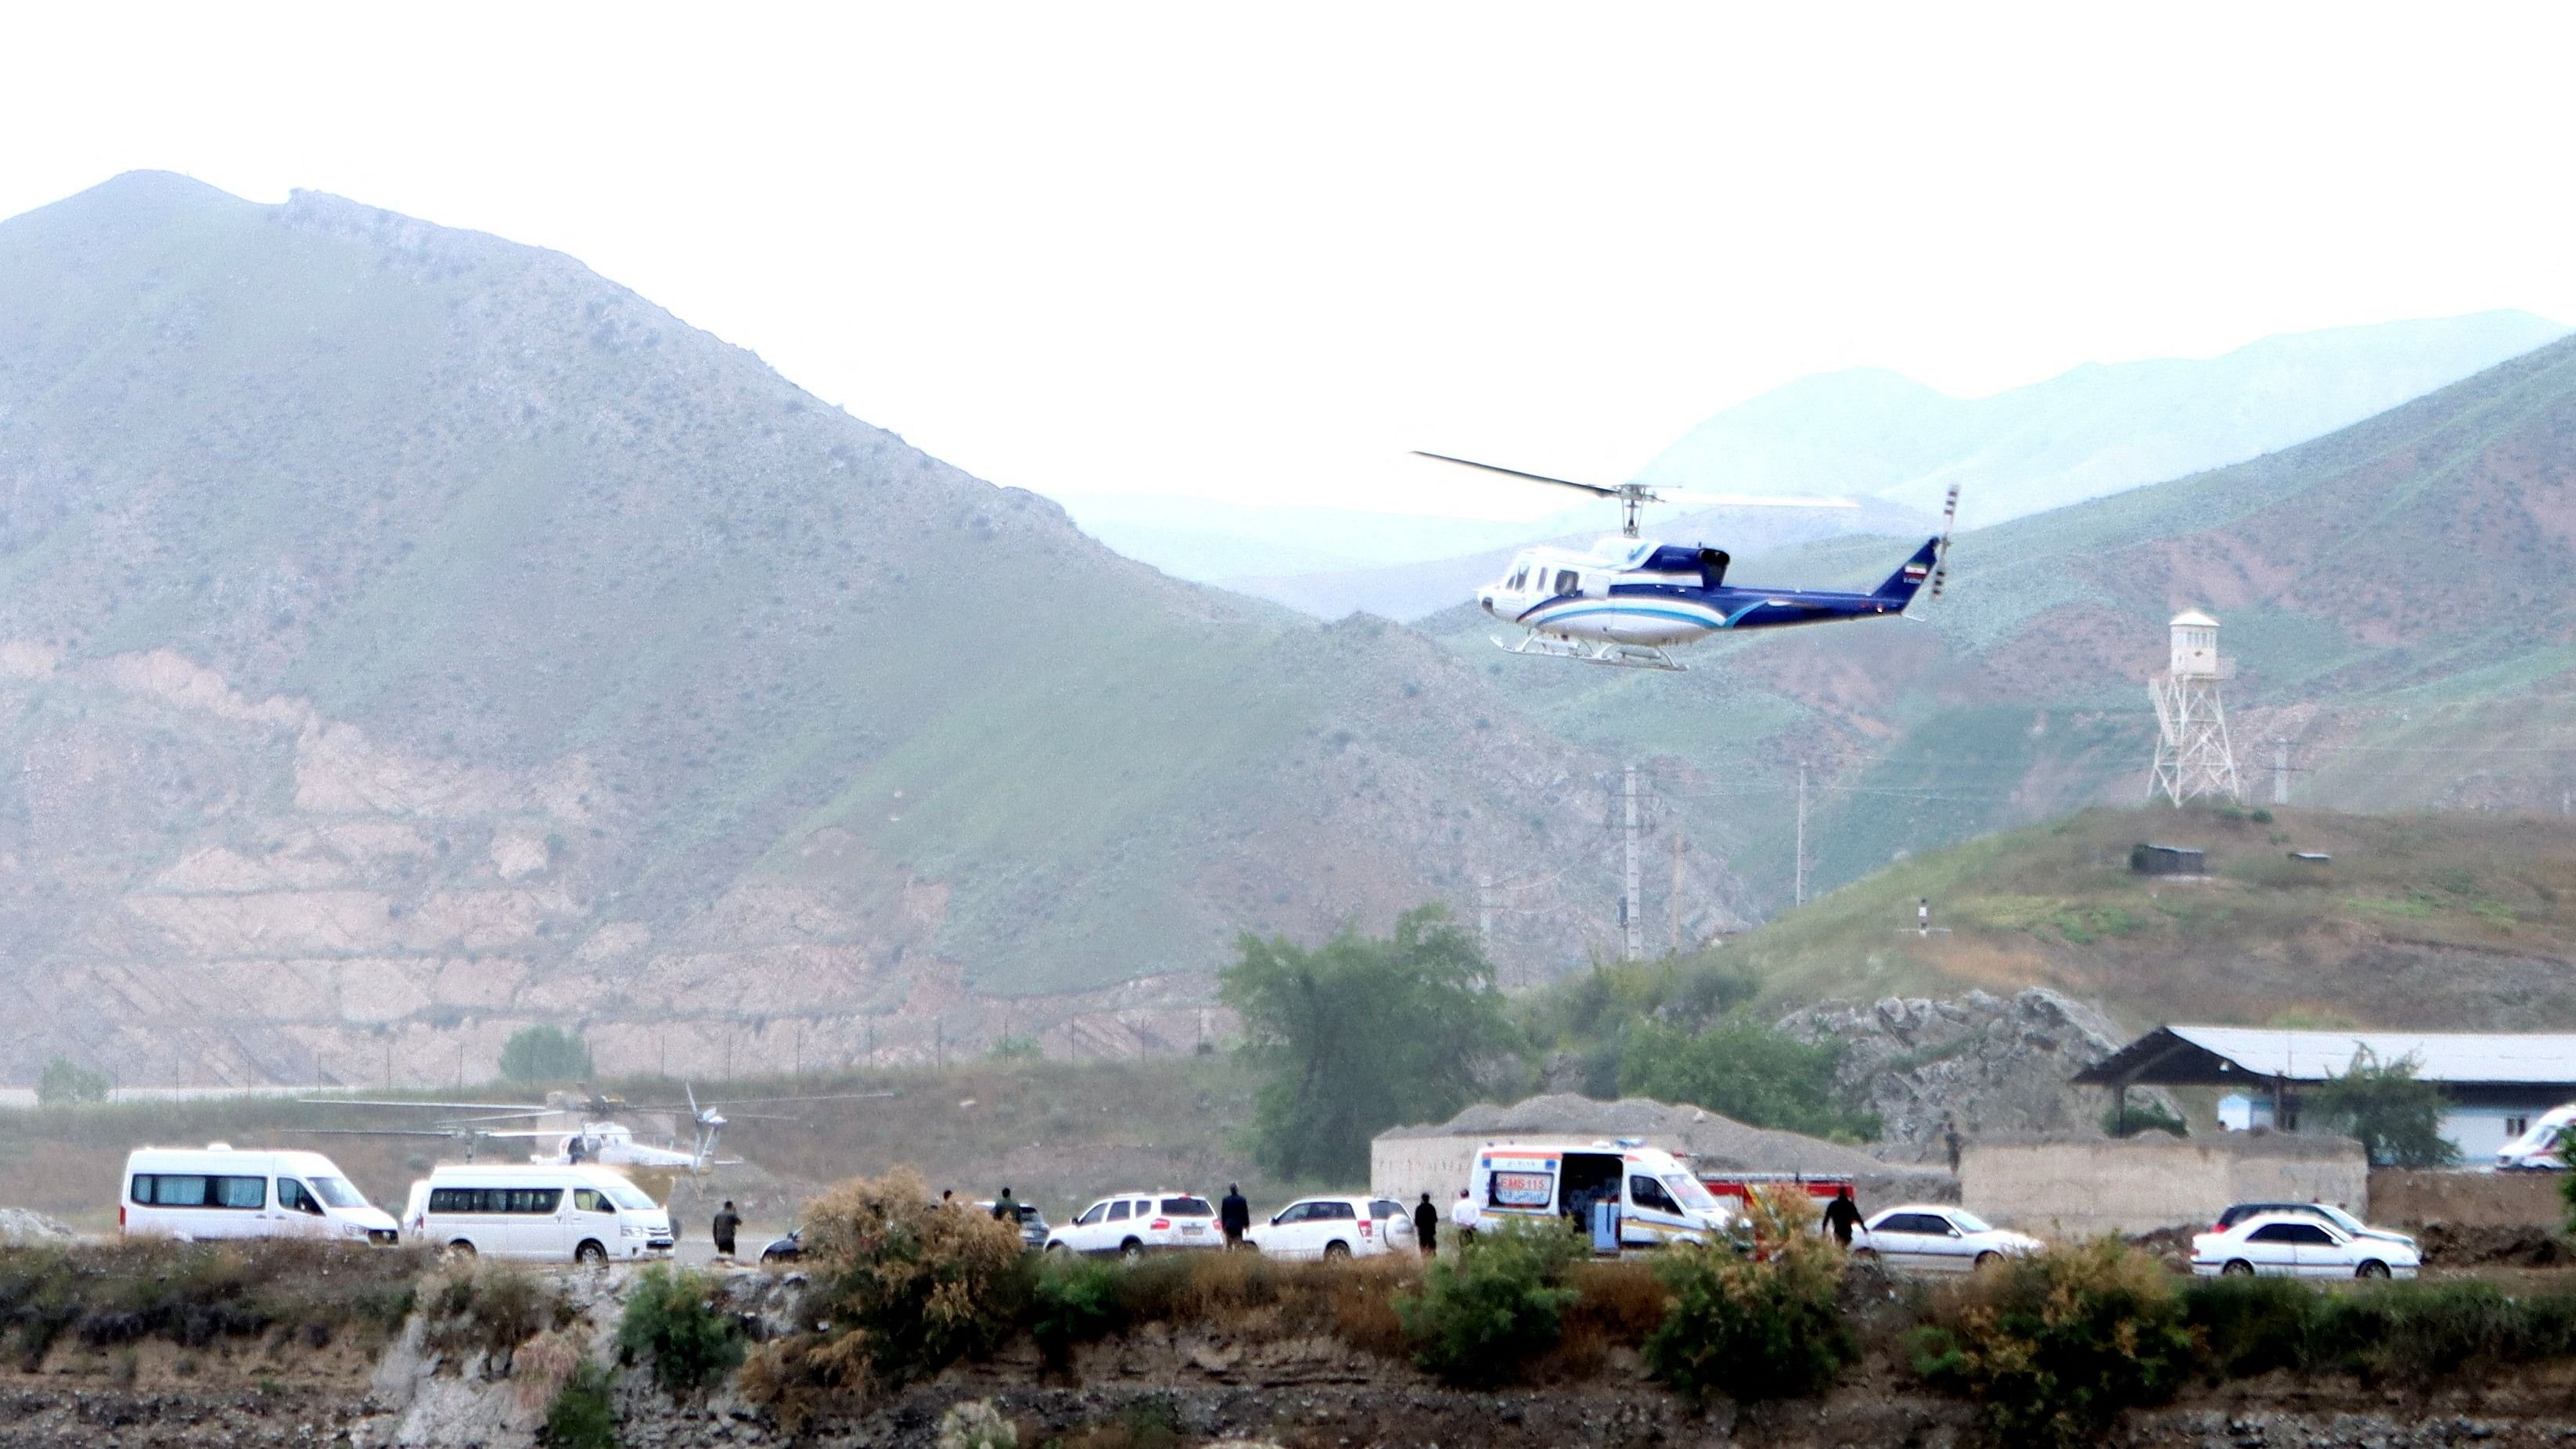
[[1334, 1227], [1133, 1224]]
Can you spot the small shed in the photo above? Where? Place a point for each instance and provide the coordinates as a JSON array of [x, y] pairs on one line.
[[2167, 860]]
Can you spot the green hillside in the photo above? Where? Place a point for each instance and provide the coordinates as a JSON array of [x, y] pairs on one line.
[[2426, 920], [2395, 593]]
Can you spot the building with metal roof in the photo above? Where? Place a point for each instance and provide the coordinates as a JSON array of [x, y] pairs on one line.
[[2494, 1082]]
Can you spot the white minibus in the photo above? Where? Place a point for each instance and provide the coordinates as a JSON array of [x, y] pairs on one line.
[[216, 1192], [550, 1212]]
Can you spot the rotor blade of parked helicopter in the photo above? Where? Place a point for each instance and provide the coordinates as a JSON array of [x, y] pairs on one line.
[[376, 1132], [759, 1117], [1691, 499], [715, 1106], [519, 1107], [1592, 488]]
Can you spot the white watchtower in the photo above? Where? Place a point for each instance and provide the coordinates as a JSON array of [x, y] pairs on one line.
[[2193, 757]]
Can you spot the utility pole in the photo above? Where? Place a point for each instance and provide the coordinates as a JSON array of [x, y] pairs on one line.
[[1676, 902], [1802, 834], [1485, 914], [2280, 771], [1630, 917]]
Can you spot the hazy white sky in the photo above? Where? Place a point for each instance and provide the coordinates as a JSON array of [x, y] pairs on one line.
[[1260, 252]]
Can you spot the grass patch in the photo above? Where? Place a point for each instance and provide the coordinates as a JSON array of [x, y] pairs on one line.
[[197, 1294]]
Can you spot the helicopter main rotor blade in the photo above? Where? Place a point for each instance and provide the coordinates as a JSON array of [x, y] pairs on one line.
[[1592, 488], [380, 1132], [518, 1107], [1689, 499]]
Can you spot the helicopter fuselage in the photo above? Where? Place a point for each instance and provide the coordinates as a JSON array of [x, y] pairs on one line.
[[1638, 593]]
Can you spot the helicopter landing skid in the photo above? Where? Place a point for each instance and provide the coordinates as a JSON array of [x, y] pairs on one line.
[[1620, 656]]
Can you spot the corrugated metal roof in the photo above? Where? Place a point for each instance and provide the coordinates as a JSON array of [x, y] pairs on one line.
[[2439, 1056]]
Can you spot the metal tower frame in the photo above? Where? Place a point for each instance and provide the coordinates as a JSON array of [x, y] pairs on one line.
[[2194, 758]]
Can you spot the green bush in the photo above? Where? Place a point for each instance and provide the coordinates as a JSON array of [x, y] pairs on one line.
[[2131, 1118], [545, 1054], [1073, 1302], [66, 1083], [1751, 1330], [672, 1321], [2406, 1333], [2252, 1326], [582, 1415], [2055, 1346], [1478, 1318]]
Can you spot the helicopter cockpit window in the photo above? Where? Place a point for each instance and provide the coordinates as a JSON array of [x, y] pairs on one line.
[[1568, 582]]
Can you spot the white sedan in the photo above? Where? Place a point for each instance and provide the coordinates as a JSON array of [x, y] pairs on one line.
[[1335, 1227], [2299, 1245], [1936, 1238], [1132, 1224]]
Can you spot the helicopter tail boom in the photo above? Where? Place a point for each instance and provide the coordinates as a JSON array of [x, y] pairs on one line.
[[1901, 585]]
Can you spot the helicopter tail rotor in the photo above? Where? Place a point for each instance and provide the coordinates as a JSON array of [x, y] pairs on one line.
[[1941, 554]]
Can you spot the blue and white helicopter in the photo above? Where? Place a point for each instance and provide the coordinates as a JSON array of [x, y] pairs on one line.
[[1627, 599]]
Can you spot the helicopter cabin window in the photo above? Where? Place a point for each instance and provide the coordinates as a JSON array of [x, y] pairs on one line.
[[1568, 582]]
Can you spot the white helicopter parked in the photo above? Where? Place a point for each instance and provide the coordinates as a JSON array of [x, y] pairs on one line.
[[594, 1139], [1624, 601]]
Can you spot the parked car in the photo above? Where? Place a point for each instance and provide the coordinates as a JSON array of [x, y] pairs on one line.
[[1335, 1227], [216, 1192], [2539, 1148], [2239, 1212], [2300, 1245], [1938, 1238], [788, 1249], [1135, 1223], [1033, 1224]]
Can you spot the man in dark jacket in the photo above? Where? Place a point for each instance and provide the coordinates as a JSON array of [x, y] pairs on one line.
[[1005, 1210], [1426, 1227], [1234, 1216], [728, 1222], [1842, 1215]]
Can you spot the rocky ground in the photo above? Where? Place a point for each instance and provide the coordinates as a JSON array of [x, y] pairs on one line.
[[1992, 1064]]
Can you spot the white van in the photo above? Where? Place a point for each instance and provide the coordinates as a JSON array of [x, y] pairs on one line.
[[550, 1212], [2537, 1150], [1659, 1200], [216, 1192]]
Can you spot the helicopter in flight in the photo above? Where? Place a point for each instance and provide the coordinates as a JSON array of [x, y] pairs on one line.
[[1627, 599]]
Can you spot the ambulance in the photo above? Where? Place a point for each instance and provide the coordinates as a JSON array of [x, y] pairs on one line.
[[1652, 1199]]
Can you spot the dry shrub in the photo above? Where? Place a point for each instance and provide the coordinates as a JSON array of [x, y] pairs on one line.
[[1780, 1213], [542, 1366], [490, 1308], [1361, 1298], [1624, 1301], [899, 1287]]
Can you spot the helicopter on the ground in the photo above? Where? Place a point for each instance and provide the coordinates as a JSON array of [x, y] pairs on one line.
[[1624, 601], [608, 1143]]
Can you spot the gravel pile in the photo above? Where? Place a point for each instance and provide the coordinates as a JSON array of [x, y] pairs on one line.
[[20, 1228]]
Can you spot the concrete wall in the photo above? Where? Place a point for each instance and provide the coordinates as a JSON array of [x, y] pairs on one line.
[[2080, 1187], [1404, 1168], [2467, 1199]]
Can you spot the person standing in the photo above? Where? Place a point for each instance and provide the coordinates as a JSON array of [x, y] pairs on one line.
[[728, 1222], [1234, 1216], [1462, 1216], [1842, 1215], [1951, 1142], [1923, 915], [1005, 1210], [1426, 1228]]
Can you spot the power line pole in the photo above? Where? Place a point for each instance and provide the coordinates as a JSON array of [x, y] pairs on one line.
[[1630, 917], [1802, 834], [2280, 771], [1676, 902], [1485, 914]]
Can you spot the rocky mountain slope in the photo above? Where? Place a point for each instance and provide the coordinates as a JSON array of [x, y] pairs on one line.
[[407, 634]]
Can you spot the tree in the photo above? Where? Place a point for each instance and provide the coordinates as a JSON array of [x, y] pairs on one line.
[[1745, 1070], [1360, 1034], [2567, 1184], [65, 1082], [2397, 1116], [545, 1054]]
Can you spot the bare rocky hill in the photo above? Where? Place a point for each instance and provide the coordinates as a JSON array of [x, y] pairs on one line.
[[408, 635]]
